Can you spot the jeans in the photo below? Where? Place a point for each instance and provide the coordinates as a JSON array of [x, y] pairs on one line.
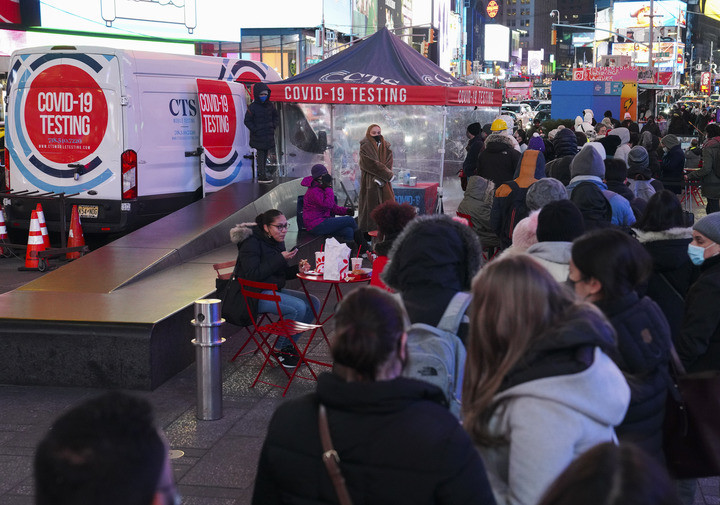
[[713, 205], [343, 227], [294, 305]]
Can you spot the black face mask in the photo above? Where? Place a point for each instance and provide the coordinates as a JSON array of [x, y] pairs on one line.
[[378, 138]]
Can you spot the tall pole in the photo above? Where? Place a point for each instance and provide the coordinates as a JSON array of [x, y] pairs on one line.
[[650, 37]]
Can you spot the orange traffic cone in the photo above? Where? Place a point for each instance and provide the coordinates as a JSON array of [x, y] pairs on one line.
[[43, 226], [3, 232], [75, 238], [35, 244]]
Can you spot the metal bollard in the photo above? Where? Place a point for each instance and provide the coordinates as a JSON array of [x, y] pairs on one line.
[[207, 324]]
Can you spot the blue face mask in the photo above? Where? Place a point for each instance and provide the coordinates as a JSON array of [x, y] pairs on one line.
[[263, 98], [697, 254]]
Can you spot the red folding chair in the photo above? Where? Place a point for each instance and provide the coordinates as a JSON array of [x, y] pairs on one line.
[[225, 272], [281, 328], [466, 217]]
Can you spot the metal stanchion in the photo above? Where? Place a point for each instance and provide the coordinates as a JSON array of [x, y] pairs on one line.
[[207, 342]]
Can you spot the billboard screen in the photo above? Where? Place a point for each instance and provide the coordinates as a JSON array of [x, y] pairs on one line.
[[712, 9], [497, 43], [637, 14]]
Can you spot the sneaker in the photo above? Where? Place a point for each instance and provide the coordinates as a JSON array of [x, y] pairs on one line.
[[288, 357]]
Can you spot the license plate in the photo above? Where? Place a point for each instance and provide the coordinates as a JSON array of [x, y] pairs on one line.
[[89, 211]]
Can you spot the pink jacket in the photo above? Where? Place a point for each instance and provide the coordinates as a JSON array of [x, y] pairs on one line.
[[319, 204]]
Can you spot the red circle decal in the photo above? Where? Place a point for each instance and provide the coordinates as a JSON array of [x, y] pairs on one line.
[[219, 123], [492, 8], [66, 114]]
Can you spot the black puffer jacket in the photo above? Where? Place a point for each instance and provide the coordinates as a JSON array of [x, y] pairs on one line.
[[699, 342], [260, 258], [261, 119], [671, 267], [644, 342], [474, 147], [397, 445], [499, 160], [673, 175]]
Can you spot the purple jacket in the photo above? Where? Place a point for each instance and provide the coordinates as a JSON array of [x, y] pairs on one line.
[[319, 204]]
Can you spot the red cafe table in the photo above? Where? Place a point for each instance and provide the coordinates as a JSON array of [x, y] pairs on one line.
[[333, 287]]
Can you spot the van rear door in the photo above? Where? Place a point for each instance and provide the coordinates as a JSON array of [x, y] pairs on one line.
[[65, 130]]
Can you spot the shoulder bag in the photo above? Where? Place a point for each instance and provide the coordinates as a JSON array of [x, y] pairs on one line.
[[331, 459], [691, 431]]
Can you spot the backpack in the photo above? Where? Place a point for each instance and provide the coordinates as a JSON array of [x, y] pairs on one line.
[[437, 355], [514, 210], [593, 204]]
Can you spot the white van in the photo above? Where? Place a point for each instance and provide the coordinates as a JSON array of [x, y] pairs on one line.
[[121, 130]]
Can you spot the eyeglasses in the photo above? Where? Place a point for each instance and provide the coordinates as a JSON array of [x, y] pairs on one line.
[[281, 227]]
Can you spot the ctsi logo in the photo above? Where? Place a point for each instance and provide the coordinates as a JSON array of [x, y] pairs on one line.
[[65, 123], [185, 107], [437, 79], [356, 77]]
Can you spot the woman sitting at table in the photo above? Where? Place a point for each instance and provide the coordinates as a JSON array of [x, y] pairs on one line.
[[322, 216], [262, 258]]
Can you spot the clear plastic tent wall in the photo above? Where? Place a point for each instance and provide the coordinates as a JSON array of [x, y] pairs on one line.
[[418, 134]]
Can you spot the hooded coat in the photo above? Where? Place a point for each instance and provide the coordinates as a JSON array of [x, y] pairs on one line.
[[319, 203], [477, 203], [672, 271], [651, 143], [621, 153], [474, 147], [708, 173], [431, 260], [397, 443], [260, 258], [261, 119], [376, 162], [499, 160], [565, 148], [562, 399]]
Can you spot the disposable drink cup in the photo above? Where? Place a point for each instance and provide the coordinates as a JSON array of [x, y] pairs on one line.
[[356, 263], [319, 262]]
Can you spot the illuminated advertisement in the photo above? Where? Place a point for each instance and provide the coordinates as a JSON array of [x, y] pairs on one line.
[[665, 54], [637, 14], [712, 8], [177, 19], [497, 43], [364, 17]]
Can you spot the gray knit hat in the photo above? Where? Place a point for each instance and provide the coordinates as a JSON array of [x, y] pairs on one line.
[[544, 191], [638, 162], [670, 141], [709, 226], [587, 162]]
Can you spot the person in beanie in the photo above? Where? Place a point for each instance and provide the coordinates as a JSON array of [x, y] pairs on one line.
[[320, 209], [651, 143], [559, 223], [616, 178], [376, 164], [709, 173], [474, 147], [544, 191], [640, 179], [673, 164], [699, 343], [588, 166], [261, 119], [537, 143], [610, 144], [498, 161], [566, 147]]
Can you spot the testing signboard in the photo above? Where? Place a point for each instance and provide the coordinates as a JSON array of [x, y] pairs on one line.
[[223, 135]]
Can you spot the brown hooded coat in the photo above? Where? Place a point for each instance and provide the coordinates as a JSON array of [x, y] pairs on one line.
[[375, 163]]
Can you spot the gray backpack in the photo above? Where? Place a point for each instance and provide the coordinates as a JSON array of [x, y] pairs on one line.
[[437, 355]]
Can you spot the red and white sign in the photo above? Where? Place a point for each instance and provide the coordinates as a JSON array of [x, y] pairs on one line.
[[605, 74], [68, 123], [343, 93], [219, 120]]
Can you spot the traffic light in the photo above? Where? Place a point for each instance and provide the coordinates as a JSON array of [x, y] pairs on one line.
[[432, 36], [424, 47]]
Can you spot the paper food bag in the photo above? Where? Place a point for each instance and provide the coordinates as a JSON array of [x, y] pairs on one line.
[[337, 257]]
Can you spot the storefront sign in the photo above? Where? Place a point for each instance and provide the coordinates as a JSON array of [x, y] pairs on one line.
[[605, 74]]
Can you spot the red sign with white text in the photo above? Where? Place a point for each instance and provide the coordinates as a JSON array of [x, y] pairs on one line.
[[218, 117], [65, 124], [343, 93]]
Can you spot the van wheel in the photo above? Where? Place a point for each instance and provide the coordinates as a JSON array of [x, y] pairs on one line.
[[42, 264]]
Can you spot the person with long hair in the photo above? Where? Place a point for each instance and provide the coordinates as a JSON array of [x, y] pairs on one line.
[[395, 439], [606, 268], [376, 164], [709, 173], [262, 258], [539, 387]]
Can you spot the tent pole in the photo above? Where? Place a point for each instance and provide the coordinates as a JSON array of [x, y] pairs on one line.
[[439, 209]]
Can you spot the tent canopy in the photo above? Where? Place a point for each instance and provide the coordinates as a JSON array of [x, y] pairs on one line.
[[381, 70]]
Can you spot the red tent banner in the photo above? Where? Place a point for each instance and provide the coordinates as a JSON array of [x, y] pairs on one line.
[[368, 94]]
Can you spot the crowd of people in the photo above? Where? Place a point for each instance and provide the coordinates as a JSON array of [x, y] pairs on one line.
[[585, 275]]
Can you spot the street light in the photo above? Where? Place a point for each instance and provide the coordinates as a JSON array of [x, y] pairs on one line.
[[554, 40]]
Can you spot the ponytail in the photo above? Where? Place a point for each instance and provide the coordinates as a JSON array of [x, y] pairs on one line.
[[267, 217]]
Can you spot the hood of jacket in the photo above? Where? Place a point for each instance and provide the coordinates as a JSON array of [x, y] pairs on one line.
[[621, 132], [565, 143], [649, 141], [433, 251], [530, 168], [258, 88], [554, 252], [241, 232], [479, 188], [667, 248], [669, 234], [309, 182], [497, 142]]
